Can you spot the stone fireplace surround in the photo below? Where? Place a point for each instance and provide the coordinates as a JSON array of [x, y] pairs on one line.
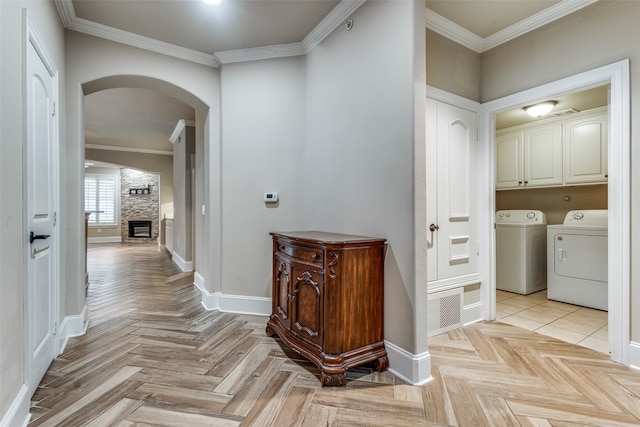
[[139, 207]]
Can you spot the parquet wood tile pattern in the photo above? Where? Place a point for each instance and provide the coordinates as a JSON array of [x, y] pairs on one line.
[[152, 356]]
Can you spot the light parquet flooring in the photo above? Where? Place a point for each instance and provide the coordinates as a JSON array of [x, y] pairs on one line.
[[152, 356]]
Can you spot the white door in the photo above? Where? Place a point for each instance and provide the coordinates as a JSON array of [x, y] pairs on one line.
[[451, 208], [41, 257]]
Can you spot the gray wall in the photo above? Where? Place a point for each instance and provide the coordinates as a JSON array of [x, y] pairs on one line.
[[600, 34], [12, 242], [183, 147], [359, 161], [452, 67]]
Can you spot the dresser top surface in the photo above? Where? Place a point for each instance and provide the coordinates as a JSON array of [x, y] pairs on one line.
[[325, 237]]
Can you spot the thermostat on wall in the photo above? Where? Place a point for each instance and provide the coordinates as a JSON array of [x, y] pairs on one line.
[[270, 197]]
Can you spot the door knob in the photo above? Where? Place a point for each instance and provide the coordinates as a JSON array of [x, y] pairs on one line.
[[33, 237], [433, 228]]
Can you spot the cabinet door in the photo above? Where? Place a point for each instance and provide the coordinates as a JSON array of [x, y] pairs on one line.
[[451, 193], [585, 150], [543, 155], [509, 160], [282, 285], [307, 312]]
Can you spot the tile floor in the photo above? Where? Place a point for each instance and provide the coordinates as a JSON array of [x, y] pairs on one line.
[[579, 325]]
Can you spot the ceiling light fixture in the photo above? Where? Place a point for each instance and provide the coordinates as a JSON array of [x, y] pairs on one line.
[[541, 109], [212, 1]]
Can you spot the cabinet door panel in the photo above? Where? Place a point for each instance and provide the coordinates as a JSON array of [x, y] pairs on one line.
[[586, 150], [509, 160], [543, 155], [307, 313], [282, 281]]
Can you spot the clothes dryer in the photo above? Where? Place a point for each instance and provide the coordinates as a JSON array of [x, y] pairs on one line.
[[577, 258], [521, 246]]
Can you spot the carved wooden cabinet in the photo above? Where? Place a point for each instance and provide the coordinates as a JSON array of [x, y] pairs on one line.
[[328, 300]]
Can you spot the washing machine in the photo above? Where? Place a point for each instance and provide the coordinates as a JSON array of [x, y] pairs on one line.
[[521, 251], [577, 259]]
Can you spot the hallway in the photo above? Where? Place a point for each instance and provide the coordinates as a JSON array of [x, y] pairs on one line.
[[152, 356]]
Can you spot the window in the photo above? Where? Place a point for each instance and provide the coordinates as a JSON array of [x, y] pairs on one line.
[[100, 199]]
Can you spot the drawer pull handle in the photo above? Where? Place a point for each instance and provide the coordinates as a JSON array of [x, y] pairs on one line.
[[314, 256]]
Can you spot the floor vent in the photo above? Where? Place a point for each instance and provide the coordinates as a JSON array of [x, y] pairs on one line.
[[444, 311]]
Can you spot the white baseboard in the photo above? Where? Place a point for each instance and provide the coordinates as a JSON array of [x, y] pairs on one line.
[[185, 266], [414, 369], [72, 326], [634, 355], [18, 413], [198, 280], [260, 306], [471, 313], [110, 239]]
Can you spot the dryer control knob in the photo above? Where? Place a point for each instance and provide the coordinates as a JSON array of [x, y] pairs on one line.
[[531, 215], [578, 215]]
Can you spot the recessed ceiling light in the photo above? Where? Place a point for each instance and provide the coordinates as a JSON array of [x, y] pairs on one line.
[[212, 1]]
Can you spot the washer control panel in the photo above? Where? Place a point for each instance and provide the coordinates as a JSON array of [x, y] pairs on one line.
[[588, 217], [520, 217]]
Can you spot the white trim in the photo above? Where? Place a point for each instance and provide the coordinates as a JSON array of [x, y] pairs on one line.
[[330, 22], [18, 413], [240, 304], [411, 368], [128, 149], [106, 239], [464, 37], [334, 18], [184, 265], [262, 52], [471, 313], [198, 280], [454, 32], [634, 355], [72, 326], [619, 202], [452, 99], [179, 126]]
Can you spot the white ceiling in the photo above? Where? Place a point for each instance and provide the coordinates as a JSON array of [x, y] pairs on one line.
[[239, 30]]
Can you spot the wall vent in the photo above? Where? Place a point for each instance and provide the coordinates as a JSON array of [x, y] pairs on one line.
[[444, 311]]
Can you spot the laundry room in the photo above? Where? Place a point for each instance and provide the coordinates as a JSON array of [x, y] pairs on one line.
[[551, 206]]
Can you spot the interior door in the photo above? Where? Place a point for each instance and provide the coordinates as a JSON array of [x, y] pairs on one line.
[[41, 214], [451, 214]]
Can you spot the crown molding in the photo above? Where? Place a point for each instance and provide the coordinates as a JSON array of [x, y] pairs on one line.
[[330, 22], [456, 33], [258, 53], [452, 31], [128, 149], [322, 30]]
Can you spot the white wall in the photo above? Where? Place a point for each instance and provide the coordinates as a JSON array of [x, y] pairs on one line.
[[12, 233], [263, 134], [359, 164]]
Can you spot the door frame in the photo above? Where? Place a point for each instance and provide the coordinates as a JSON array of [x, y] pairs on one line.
[[31, 37], [619, 240]]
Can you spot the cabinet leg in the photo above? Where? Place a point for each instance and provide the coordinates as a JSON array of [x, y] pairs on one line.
[[270, 331], [333, 380], [382, 364]]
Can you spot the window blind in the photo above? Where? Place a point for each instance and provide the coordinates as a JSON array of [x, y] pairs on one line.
[[100, 199]]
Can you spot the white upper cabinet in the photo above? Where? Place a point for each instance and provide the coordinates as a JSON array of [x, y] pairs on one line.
[[585, 149], [555, 153]]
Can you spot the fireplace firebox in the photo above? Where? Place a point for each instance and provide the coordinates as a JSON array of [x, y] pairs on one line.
[[140, 229]]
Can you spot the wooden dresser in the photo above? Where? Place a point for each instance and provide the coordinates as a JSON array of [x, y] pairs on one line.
[[328, 300]]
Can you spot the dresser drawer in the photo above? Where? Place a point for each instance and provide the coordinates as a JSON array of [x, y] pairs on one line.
[[301, 253]]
